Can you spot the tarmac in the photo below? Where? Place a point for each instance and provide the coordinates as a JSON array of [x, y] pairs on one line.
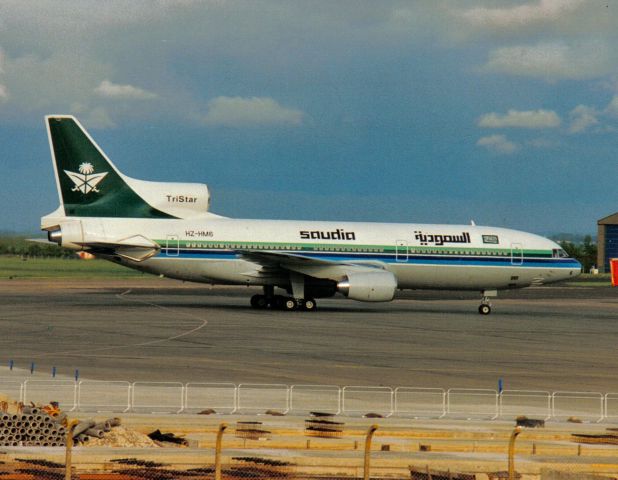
[[548, 338], [557, 338]]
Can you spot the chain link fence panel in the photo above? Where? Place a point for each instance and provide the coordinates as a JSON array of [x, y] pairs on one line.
[[101, 396], [157, 397], [211, 397]]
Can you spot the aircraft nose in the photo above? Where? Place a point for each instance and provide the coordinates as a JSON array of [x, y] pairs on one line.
[[575, 271]]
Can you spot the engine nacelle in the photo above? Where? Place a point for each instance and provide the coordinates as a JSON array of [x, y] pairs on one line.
[[378, 286], [75, 234], [68, 235], [89, 234]]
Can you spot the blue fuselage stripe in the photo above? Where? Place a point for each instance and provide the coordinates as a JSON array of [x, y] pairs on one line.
[[458, 260]]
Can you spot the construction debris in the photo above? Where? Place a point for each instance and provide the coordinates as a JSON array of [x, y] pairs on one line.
[[605, 439], [46, 425], [322, 425], [33, 468], [158, 436], [251, 431], [32, 427], [263, 461], [274, 413], [428, 474], [121, 437], [523, 421], [138, 462]]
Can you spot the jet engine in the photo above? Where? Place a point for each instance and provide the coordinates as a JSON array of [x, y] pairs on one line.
[[68, 235], [376, 286], [90, 235]]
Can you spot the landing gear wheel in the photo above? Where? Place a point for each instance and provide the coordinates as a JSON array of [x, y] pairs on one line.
[[309, 305], [278, 302], [290, 304], [259, 301], [484, 309], [254, 301]]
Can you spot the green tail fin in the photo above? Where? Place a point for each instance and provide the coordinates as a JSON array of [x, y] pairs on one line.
[[88, 182]]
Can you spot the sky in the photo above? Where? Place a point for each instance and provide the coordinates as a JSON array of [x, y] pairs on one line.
[[501, 112]]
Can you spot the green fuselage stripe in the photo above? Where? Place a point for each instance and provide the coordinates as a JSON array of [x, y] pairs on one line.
[[332, 247]]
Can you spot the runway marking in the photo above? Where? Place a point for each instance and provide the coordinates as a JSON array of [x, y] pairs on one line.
[[175, 337], [124, 296]]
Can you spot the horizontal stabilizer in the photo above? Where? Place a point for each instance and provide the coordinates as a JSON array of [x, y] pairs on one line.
[[136, 248], [42, 241]]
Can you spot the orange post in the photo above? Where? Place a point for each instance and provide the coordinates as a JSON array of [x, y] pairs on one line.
[[219, 440], [68, 459], [511, 454], [367, 459], [613, 268]]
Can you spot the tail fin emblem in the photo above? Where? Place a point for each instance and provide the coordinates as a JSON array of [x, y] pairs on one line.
[[86, 181]]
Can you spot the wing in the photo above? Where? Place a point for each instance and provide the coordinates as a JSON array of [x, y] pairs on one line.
[[284, 263]]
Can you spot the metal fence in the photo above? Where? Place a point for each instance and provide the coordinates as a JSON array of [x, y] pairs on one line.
[[349, 401]]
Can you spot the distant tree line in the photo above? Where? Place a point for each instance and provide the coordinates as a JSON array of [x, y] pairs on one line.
[[17, 245], [585, 252]]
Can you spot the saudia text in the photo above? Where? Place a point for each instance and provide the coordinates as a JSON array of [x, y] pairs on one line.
[[439, 239], [338, 234]]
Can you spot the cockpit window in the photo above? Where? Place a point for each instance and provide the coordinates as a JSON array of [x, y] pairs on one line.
[[559, 253], [491, 239]]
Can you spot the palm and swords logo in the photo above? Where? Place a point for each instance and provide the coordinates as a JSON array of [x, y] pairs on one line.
[[86, 180]]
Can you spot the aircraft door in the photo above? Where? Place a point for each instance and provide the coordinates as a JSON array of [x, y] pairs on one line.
[[517, 254], [401, 251], [171, 246]]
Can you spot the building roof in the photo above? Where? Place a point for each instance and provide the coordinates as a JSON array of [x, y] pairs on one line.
[[610, 220]]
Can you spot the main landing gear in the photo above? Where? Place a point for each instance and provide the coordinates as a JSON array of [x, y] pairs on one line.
[[485, 306], [279, 302]]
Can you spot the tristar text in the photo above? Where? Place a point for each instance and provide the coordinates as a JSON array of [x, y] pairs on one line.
[[338, 234], [440, 239], [181, 199]]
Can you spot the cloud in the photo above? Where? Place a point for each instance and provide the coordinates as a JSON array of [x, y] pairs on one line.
[[612, 107], [521, 119], [552, 60], [99, 118], [108, 89], [582, 117], [498, 144], [538, 12], [248, 112], [4, 93], [541, 143], [42, 85]]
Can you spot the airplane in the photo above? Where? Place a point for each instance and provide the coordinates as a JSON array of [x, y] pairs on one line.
[[167, 229]]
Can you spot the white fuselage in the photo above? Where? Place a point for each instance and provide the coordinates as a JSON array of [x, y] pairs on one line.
[[214, 249]]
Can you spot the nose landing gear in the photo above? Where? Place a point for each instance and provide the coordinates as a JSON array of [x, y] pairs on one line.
[[484, 309], [485, 306]]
